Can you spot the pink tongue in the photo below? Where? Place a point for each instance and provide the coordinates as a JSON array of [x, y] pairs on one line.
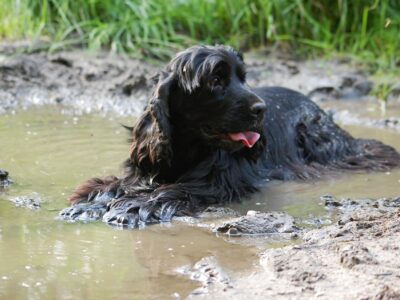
[[248, 138]]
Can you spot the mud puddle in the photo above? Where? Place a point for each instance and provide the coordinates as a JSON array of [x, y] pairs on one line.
[[49, 152]]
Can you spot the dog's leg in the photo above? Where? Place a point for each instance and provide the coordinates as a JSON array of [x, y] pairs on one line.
[[160, 205], [89, 201], [210, 183]]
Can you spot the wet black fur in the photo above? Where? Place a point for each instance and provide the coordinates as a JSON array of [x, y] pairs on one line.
[[182, 161]]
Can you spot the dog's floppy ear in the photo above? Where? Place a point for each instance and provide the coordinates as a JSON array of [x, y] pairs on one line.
[[151, 147]]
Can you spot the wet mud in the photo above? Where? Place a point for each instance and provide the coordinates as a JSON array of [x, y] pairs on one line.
[[209, 273], [82, 83], [357, 257]]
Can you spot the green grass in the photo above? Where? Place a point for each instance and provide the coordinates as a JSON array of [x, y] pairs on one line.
[[369, 29]]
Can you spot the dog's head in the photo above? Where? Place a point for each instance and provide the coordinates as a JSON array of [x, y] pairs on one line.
[[203, 92]]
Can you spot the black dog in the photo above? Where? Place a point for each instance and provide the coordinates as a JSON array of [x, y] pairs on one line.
[[207, 138]]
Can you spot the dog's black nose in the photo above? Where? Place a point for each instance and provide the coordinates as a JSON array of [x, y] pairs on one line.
[[258, 108]]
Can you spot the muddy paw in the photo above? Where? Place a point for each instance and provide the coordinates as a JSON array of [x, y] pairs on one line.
[[72, 212], [83, 212], [123, 219], [137, 212], [88, 211]]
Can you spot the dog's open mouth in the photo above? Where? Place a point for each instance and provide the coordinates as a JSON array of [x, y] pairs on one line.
[[247, 138]]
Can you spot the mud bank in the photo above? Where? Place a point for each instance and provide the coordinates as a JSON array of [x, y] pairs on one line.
[[78, 81], [86, 82], [355, 258]]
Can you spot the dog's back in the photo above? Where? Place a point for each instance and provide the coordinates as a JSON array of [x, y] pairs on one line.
[[302, 140]]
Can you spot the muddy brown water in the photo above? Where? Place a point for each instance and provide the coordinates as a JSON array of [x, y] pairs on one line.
[[49, 153]]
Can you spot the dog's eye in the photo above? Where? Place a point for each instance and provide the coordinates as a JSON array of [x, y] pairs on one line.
[[216, 81]]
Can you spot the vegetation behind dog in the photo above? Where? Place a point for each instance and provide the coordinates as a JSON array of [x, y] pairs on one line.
[[368, 29]]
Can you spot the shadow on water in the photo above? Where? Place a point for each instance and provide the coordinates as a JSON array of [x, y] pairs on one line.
[[49, 153]]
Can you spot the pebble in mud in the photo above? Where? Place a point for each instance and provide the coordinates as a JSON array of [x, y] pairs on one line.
[[232, 231], [4, 179], [330, 201]]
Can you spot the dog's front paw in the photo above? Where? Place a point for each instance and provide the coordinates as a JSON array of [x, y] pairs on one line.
[[87, 211], [123, 219], [125, 212], [83, 212], [73, 212], [137, 212]]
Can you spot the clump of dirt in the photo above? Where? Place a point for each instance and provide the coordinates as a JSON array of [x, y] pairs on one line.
[[258, 223], [5, 181], [32, 202]]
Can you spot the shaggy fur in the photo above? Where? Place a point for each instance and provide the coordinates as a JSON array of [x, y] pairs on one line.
[[183, 155]]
